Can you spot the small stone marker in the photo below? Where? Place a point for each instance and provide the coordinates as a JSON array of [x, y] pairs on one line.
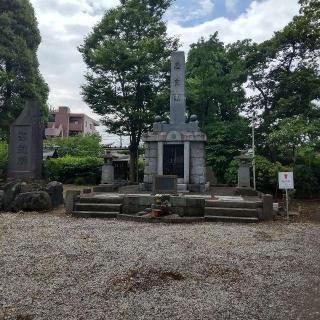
[[165, 184], [26, 144]]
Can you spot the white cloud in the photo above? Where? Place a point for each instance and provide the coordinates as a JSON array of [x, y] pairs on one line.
[[64, 24], [259, 22], [231, 5], [205, 8]]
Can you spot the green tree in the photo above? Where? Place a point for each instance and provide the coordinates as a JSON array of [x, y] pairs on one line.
[[78, 146], [127, 54], [284, 73], [215, 77], [19, 73]]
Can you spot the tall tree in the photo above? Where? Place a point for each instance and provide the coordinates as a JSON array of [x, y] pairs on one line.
[[127, 54], [19, 68], [215, 77], [285, 75]]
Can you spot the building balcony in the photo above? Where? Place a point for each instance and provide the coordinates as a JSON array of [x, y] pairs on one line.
[[76, 127]]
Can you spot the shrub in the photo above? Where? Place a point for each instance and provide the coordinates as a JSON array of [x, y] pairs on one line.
[[3, 160], [307, 181], [78, 170], [78, 146]]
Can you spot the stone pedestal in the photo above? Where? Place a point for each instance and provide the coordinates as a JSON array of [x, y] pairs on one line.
[[107, 176]]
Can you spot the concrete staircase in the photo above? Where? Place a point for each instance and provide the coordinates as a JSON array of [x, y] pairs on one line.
[[233, 211], [93, 206]]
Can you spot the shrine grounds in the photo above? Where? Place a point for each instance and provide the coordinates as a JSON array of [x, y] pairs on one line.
[[55, 266]]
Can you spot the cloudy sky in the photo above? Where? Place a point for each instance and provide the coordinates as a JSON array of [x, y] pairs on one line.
[[64, 23]]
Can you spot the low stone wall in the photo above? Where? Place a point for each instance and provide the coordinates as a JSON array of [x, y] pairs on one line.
[[180, 205]]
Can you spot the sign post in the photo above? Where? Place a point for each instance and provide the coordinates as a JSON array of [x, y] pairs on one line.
[[286, 183]]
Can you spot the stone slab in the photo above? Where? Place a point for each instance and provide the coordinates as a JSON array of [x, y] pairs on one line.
[[26, 144]]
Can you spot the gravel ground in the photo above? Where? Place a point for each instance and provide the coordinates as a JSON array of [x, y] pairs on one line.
[[58, 267]]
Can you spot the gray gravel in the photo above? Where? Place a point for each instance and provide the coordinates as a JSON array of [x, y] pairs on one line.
[[58, 267]]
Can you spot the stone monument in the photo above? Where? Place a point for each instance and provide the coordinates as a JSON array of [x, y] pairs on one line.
[[176, 148], [245, 161], [26, 144]]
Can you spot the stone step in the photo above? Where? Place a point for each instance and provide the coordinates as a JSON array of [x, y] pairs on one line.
[[230, 212], [95, 214], [100, 199], [98, 207], [231, 219], [233, 204], [106, 188]]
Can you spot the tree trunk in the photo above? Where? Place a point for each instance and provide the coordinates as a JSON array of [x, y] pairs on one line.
[[133, 150]]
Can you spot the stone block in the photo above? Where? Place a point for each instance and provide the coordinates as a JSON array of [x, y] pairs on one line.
[[177, 201], [87, 190], [193, 212], [133, 208], [197, 150], [107, 175], [267, 207], [32, 201], [153, 153], [131, 200], [178, 210], [55, 191], [71, 196], [145, 200], [195, 202]]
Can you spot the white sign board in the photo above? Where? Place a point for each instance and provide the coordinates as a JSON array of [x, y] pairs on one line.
[[286, 180]]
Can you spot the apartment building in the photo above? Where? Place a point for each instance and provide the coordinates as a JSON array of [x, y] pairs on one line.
[[63, 123]]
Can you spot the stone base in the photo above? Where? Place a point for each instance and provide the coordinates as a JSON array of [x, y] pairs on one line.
[[182, 187]]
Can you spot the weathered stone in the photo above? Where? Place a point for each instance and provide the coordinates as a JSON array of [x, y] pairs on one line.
[[267, 207], [11, 190], [71, 196], [107, 175], [55, 191], [26, 144], [195, 202], [244, 176], [32, 201], [177, 201], [193, 212], [165, 184], [87, 190]]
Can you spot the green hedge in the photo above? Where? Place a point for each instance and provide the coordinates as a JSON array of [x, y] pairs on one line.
[[74, 170]]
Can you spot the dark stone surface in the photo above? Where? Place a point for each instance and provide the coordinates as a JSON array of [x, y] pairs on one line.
[[26, 144], [165, 184], [55, 191], [267, 209], [32, 201], [11, 190]]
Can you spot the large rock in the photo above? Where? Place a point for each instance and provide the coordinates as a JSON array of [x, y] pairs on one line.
[[55, 191], [11, 190], [32, 201]]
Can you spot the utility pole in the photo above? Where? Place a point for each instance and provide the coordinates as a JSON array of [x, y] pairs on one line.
[[253, 152]]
